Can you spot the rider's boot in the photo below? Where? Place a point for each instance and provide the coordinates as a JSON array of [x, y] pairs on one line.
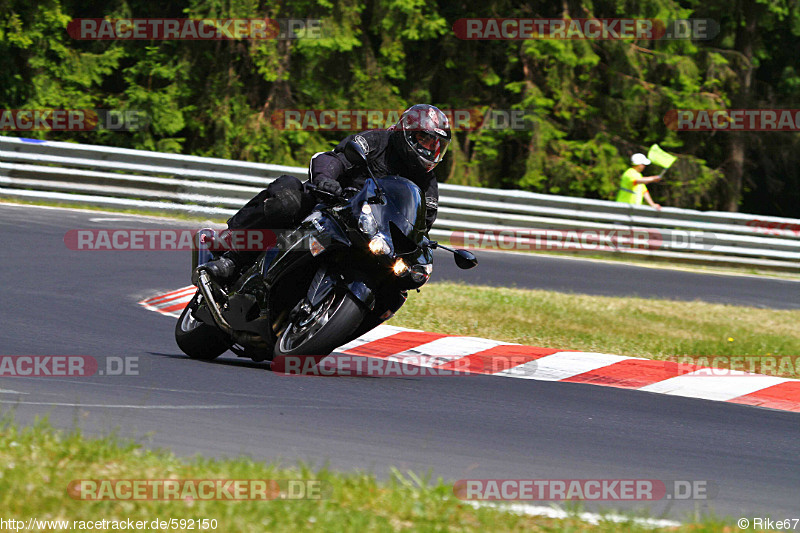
[[222, 267], [279, 211]]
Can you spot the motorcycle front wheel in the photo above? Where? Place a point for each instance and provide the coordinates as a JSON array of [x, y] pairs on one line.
[[326, 328], [197, 339]]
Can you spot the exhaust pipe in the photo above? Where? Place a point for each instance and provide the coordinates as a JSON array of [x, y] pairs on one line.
[[204, 284]]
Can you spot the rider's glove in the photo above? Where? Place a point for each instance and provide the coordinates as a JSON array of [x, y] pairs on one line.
[[330, 186]]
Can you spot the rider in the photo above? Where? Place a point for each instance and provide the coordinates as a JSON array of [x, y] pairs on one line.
[[411, 148]]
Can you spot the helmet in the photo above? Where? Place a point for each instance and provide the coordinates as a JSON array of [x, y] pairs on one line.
[[639, 159], [426, 132]]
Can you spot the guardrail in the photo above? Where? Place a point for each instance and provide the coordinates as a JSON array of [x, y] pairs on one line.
[[502, 219]]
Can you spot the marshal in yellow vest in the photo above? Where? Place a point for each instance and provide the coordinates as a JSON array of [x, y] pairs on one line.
[[628, 192]]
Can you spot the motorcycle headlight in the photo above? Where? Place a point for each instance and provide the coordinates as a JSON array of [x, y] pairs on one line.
[[379, 246], [399, 267], [366, 221], [421, 273]]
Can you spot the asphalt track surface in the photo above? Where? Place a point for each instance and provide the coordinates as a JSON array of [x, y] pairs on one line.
[[62, 302]]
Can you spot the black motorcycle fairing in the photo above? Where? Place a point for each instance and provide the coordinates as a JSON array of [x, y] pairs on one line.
[[291, 279], [403, 206], [295, 247], [412, 208]]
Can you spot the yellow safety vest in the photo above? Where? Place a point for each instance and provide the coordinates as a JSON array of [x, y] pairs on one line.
[[628, 192]]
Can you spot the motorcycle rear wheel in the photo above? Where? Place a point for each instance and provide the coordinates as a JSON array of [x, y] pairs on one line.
[[197, 339], [328, 327]]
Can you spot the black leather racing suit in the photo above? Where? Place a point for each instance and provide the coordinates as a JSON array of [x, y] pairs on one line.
[[386, 155], [284, 203]]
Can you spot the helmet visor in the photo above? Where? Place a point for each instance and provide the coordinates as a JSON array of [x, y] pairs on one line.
[[429, 147]]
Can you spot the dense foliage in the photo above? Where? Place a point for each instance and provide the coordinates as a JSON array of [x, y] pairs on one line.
[[591, 103]]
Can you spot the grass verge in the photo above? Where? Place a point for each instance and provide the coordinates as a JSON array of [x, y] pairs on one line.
[[38, 463], [654, 329]]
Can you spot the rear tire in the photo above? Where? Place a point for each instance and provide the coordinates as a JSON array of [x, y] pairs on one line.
[[330, 326], [197, 339]]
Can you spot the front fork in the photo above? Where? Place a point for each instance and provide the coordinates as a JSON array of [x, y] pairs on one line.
[[381, 306], [327, 279]]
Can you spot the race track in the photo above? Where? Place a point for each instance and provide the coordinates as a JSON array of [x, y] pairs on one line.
[[63, 302]]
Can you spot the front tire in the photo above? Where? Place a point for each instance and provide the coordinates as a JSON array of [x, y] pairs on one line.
[[197, 339], [328, 327]]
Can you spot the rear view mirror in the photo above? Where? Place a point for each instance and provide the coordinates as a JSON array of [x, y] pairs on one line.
[[355, 154], [465, 259]]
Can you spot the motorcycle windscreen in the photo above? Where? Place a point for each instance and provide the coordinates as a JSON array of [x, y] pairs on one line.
[[405, 207]]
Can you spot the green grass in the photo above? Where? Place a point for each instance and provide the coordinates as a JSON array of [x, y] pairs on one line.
[[655, 329], [37, 464]]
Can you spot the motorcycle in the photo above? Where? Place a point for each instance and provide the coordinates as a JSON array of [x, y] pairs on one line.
[[347, 268]]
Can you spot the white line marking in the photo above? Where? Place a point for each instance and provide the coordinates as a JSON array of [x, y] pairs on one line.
[[592, 518], [95, 210], [124, 219], [108, 406], [138, 387], [269, 405]]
